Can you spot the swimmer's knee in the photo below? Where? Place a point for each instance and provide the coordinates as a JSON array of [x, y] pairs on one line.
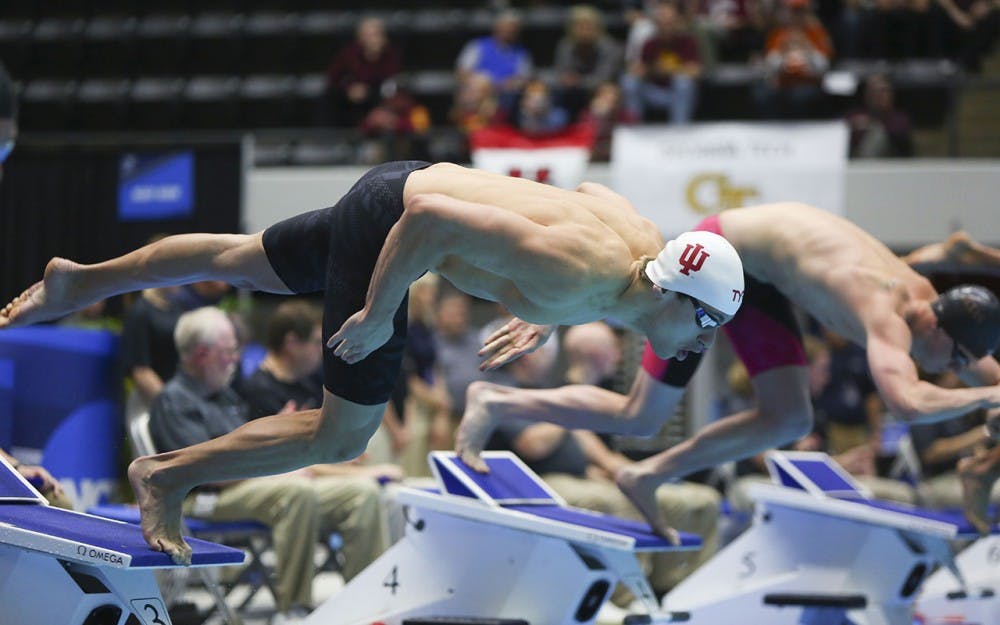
[[332, 447], [790, 426]]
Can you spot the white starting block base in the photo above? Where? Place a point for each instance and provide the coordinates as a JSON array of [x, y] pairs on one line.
[[59, 567], [497, 546], [819, 553], [37, 588], [945, 600]]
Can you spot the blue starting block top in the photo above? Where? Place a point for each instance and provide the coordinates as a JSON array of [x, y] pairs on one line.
[[28, 522], [818, 474], [511, 485]]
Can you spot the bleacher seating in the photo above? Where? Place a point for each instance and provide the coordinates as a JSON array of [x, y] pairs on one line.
[[248, 64]]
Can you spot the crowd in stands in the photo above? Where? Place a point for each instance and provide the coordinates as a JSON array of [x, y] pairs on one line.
[[653, 61], [654, 73]]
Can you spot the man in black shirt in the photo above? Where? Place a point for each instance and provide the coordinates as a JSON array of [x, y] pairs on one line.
[[286, 379]]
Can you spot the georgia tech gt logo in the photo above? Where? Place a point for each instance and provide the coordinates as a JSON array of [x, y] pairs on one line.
[[713, 192]]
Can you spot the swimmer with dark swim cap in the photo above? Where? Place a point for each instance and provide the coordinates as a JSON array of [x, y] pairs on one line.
[[970, 315]]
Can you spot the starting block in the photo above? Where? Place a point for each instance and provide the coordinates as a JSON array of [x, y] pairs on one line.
[[819, 551], [499, 548], [972, 598], [70, 568]]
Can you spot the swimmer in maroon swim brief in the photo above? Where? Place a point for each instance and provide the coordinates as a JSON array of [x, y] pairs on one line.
[[764, 333]]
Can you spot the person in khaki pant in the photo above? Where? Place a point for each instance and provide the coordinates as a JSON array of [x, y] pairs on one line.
[[198, 404]]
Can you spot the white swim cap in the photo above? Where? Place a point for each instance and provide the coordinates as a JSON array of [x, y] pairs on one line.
[[703, 265]]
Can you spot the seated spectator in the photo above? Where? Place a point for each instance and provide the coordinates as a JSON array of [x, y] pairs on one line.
[[606, 111], [845, 400], [797, 55], [148, 354], [42, 480], [475, 107], [198, 404], [878, 128], [355, 78], [734, 27], [499, 56], [458, 347], [397, 127], [586, 57], [419, 418], [580, 467], [942, 446], [536, 114], [666, 74]]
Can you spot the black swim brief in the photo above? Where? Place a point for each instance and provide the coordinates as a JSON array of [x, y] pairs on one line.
[[334, 250]]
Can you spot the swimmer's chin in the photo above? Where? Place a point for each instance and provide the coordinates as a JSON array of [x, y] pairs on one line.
[[681, 354]]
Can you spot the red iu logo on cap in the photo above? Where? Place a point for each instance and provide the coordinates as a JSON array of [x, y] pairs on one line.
[[692, 258]]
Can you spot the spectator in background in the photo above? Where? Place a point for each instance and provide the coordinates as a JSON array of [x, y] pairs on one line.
[[355, 78], [475, 107], [878, 128], [586, 57], [458, 347], [8, 116], [42, 480], [476, 103], [606, 111], [942, 445], [420, 418], [845, 400], [536, 114], [284, 379], [735, 28], [198, 404], [397, 127], [797, 55], [148, 355], [666, 74], [499, 56]]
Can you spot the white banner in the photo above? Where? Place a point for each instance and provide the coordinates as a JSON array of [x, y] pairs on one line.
[[676, 176], [562, 167]]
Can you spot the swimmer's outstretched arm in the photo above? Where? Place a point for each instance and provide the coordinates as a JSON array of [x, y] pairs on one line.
[[913, 400], [578, 406]]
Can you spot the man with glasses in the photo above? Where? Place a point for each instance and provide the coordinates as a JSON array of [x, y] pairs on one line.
[[833, 270], [549, 255]]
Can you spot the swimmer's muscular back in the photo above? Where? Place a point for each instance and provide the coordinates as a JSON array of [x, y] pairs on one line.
[[835, 270], [601, 238]]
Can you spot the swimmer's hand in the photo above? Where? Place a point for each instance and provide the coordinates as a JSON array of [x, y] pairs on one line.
[[359, 337], [513, 340]]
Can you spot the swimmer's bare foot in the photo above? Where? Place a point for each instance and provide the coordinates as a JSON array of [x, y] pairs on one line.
[[160, 511], [49, 299], [476, 427], [977, 474], [640, 488]]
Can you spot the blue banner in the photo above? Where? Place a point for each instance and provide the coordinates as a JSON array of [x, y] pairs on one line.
[[154, 187]]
